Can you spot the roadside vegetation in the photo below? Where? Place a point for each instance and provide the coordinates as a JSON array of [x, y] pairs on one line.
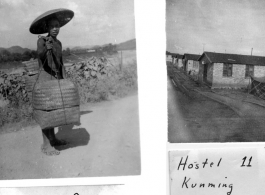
[[14, 101], [7, 56], [97, 80]]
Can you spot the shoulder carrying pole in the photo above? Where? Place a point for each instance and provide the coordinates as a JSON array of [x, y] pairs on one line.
[[50, 53]]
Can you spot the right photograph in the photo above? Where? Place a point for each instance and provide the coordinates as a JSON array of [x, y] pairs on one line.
[[215, 57]]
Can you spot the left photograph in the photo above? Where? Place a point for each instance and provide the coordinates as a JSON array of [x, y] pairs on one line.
[[68, 90], [66, 190]]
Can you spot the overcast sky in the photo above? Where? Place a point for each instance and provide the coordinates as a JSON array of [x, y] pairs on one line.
[[95, 21], [231, 26]]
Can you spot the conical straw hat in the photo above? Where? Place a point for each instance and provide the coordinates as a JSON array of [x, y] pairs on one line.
[[39, 26]]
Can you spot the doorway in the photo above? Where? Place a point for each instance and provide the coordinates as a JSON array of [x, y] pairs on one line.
[[205, 71]]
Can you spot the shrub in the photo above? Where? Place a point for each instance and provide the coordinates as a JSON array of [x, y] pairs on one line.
[[105, 85], [12, 90], [13, 113]]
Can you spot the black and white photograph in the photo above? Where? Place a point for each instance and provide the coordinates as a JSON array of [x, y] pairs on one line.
[[68, 89], [215, 55], [66, 190]]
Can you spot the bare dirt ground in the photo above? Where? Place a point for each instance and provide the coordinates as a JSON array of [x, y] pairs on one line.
[[195, 118], [107, 143]]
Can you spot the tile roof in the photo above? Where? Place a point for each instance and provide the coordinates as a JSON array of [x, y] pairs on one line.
[[234, 58], [179, 56], [191, 56], [174, 54]]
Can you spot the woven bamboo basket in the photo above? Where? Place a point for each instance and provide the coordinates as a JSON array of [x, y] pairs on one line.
[[30, 96], [32, 66], [55, 94], [57, 118], [30, 81]]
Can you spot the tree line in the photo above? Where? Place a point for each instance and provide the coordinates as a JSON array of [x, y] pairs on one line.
[[7, 56], [109, 49]]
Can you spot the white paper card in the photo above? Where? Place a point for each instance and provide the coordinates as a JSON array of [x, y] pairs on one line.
[[228, 171]]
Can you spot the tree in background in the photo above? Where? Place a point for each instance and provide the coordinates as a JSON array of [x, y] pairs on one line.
[[110, 48], [68, 51], [6, 56], [26, 56], [34, 54], [17, 56]]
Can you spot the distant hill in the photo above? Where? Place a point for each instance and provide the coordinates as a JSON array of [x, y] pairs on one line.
[[76, 48], [95, 47], [127, 45], [15, 49], [98, 46], [82, 47]]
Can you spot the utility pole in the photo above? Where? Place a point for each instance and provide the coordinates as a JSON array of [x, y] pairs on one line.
[[203, 47], [251, 50], [121, 62]]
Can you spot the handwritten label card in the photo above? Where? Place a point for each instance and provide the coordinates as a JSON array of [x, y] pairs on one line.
[[228, 171]]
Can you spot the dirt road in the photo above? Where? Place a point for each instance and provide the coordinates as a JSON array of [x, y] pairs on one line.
[[106, 143], [200, 119]]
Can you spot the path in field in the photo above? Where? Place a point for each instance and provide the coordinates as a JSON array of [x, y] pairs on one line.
[[200, 119], [106, 143]]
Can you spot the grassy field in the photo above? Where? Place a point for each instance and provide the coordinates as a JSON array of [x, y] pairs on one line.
[[10, 65]]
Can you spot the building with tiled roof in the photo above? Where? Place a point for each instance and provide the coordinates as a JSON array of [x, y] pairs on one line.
[[190, 63], [229, 70]]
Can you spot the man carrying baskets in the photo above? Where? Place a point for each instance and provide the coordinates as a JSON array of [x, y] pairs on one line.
[[49, 50]]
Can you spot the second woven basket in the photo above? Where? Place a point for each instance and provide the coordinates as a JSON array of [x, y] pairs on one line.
[[31, 66], [30, 80]]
